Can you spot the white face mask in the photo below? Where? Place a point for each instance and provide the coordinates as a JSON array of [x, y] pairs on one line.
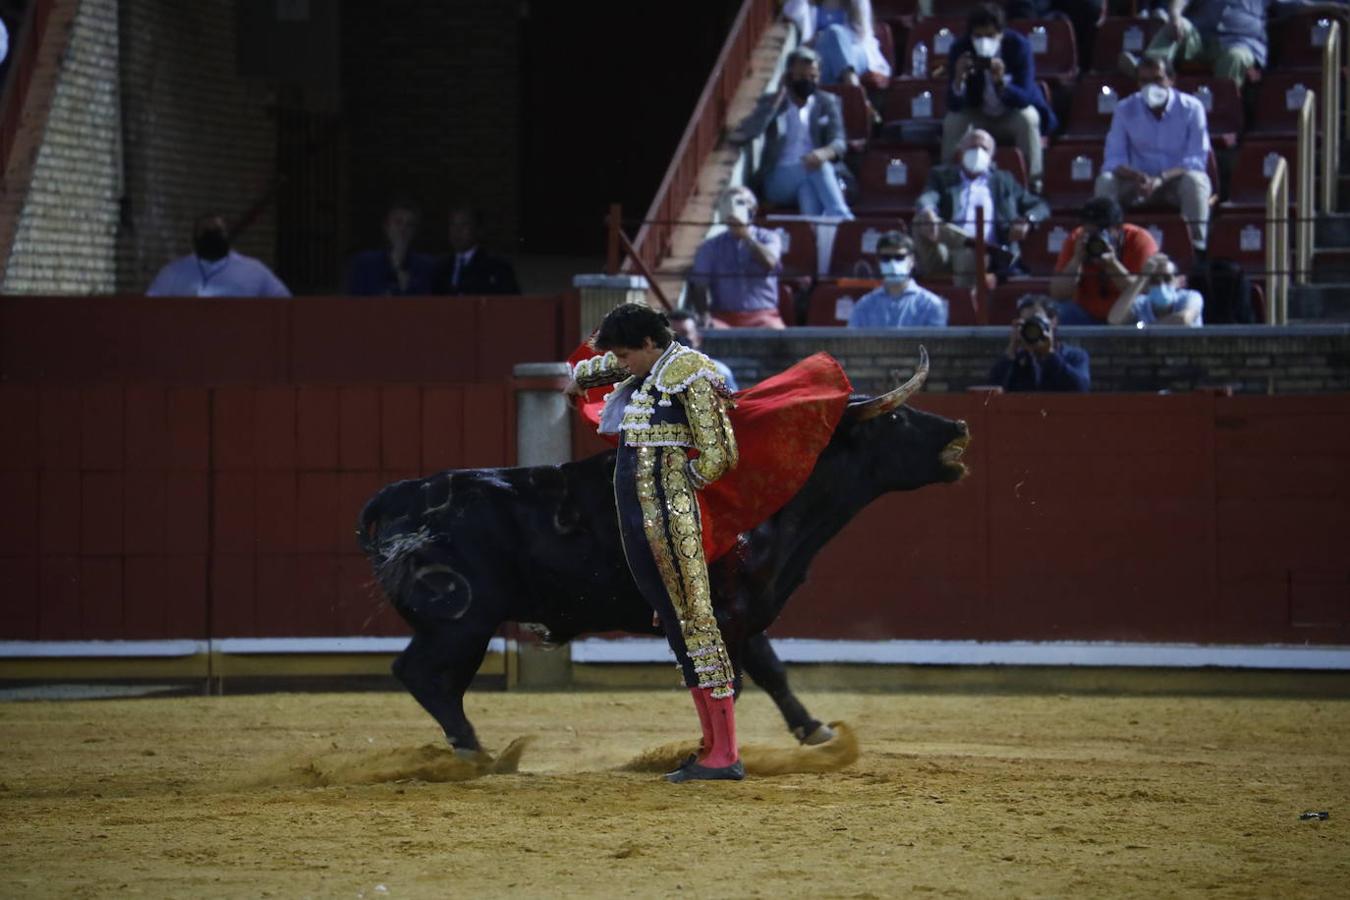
[[1155, 95], [737, 210], [986, 46], [896, 270], [975, 160]]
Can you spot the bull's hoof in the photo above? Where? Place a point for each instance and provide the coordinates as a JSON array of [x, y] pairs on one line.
[[692, 771], [822, 734]]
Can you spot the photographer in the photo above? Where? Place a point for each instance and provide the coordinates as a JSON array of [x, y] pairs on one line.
[[1100, 259], [1035, 360], [1157, 299]]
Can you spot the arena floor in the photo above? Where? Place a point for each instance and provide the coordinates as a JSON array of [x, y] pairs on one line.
[[979, 795]]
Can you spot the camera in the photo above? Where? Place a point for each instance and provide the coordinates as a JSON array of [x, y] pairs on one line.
[[1097, 246], [980, 63], [1034, 329]]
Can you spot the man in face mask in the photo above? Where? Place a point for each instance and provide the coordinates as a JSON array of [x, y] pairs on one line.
[[900, 302], [734, 280], [948, 209], [1157, 298], [1157, 150], [214, 270], [993, 87], [804, 145]]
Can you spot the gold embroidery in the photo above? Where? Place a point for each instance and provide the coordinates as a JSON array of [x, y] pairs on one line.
[[661, 435], [598, 371], [712, 432], [654, 525], [702, 637]]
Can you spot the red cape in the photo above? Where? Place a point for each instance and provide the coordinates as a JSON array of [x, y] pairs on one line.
[[782, 424]]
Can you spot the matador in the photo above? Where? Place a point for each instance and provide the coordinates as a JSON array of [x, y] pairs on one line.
[[669, 410]]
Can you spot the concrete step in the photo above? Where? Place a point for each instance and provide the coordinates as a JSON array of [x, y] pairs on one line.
[[1320, 302], [1331, 265], [1333, 230]]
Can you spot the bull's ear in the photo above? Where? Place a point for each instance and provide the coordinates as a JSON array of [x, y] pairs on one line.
[[892, 399]]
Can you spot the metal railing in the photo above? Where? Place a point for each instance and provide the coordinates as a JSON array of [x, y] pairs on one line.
[[1305, 220], [1277, 244], [1331, 110], [702, 133]]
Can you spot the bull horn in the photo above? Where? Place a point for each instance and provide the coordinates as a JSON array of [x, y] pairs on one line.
[[870, 409]]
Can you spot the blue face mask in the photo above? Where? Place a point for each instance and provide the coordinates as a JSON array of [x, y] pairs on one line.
[[1162, 297], [896, 270]]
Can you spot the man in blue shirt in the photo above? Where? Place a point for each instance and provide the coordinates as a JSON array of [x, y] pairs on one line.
[[734, 279], [1034, 360], [899, 302], [395, 270], [1155, 299], [1157, 150], [214, 270]]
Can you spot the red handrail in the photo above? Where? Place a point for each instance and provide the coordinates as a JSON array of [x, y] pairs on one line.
[[702, 133], [24, 50]]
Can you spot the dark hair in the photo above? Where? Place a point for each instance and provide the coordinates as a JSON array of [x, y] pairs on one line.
[[680, 315], [986, 14], [1157, 62], [629, 325], [895, 240], [1102, 212], [402, 201], [474, 213], [802, 54], [210, 215], [1039, 301]]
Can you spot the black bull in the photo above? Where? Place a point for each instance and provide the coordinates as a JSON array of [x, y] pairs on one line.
[[463, 551]]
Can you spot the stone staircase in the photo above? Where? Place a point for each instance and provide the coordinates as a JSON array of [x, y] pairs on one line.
[[1326, 297]]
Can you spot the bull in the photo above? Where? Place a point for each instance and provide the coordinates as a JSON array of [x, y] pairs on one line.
[[464, 551]]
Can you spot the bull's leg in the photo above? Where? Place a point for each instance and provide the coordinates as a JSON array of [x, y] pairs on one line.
[[768, 671], [437, 668]]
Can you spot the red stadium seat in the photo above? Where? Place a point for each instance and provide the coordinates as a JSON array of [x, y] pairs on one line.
[[1223, 107], [938, 33], [886, 41], [799, 245], [1278, 98], [1121, 34], [831, 304], [1252, 168], [960, 303], [891, 181], [857, 111], [1241, 237], [1041, 248], [1003, 299], [1053, 46], [1169, 232], [1070, 173], [1299, 40], [913, 99], [1010, 160], [1094, 101], [855, 246]]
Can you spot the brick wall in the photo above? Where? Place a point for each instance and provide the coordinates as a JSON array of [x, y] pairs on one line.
[[430, 102], [196, 136], [1253, 359], [66, 236]]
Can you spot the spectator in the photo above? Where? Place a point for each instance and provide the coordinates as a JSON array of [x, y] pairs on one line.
[[469, 269], [1156, 299], [945, 222], [1099, 259], [900, 302], [394, 270], [685, 325], [993, 86], [814, 17], [1035, 360], [1157, 150], [803, 141], [734, 281], [851, 50], [214, 270]]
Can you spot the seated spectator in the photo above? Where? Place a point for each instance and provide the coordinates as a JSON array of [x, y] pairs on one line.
[[850, 51], [214, 270], [1035, 360], [685, 325], [900, 302], [469, 269], [1099, 259], [734, 280], [993, 86], [814, 16], [1156, 299], [945, 222], [803, 132], [1229, 35], [394, 270], [1157, 150]]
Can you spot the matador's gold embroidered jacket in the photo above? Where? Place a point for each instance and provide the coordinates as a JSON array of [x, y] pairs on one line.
[[648, 418]]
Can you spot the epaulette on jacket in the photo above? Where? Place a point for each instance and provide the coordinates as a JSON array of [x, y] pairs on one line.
[[684, 368]]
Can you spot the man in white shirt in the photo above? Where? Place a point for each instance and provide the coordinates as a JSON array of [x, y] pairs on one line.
[[214, 270]]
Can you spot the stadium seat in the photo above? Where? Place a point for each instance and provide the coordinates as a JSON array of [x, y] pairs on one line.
[[938, 33], [1121, 33], [1252, 168], [1003, 299], [1298, 41], [855, 246], [915, 99], [886, 41], [1053, 46], [1169, 232], [1093, 103], [960, 303], [1241, 237], [799, 246], [1010, 160], [1041, 248], [857, 112], [1278, 98], [891, 181], [1223, 107], [1070, 172], [832, 304]]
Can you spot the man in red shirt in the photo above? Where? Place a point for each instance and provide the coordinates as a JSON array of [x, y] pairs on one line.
[[1099, 260]]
